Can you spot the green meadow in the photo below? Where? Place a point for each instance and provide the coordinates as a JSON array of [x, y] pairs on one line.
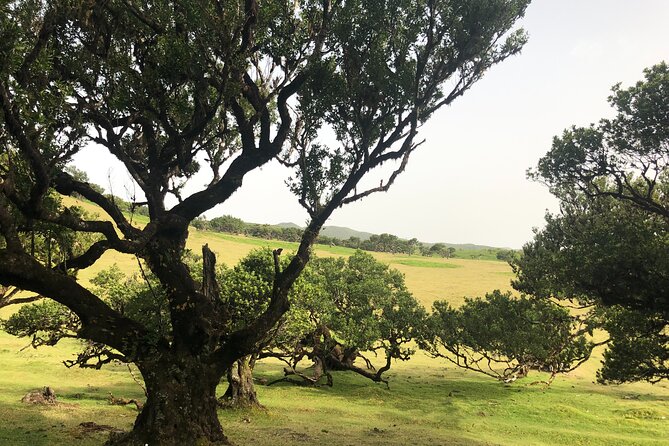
[[427, 402]]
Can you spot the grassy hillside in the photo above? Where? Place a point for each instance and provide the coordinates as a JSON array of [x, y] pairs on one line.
[[429, 278], [428, 402]]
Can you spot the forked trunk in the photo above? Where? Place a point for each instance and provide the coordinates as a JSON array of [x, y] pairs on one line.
[[241, 392], [180, 408]]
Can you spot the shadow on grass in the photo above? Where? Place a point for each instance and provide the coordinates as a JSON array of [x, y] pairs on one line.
[[631, 392], [24, 426], [425, 408], [37, 425], [61, 423]]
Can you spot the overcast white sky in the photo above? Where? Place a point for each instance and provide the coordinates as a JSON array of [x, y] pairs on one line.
[[467, 183]]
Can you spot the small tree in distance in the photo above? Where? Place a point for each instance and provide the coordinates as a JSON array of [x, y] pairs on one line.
[[170, 88]]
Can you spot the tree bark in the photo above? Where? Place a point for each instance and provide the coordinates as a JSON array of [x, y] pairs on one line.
[[241, 392], [181, 407], [340, 358]]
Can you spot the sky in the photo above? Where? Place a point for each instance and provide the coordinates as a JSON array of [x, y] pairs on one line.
[[467, 183]]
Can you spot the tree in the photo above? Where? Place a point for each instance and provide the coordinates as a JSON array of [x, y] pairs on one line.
[[171, 87], [438, 249], [353, 242], [505, 337], [246, 290], [340, 308], [227, 223], [441, 250], [382, 243], [506, 255], [411, 246], [610, 259], [608, 248], [624, 157], [355, 305]]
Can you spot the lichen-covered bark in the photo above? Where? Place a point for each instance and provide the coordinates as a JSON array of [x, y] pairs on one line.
[[181, 408], [241, 391]]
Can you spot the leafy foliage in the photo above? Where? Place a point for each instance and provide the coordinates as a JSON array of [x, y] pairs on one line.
[[505, 337], [607, 253], [373, 310], [139, 298], [339, 309], [602, 251], [46, 323], [639, 347], [608, 249], [625, 157]]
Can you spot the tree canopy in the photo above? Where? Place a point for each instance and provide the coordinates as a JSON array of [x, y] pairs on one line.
[[625, 157], [608, 249], [505, 337], [173, 88], [356, 306]]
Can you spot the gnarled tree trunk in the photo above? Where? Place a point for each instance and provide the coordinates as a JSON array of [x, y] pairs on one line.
[[180, 409], [241, 392], [340, 357]]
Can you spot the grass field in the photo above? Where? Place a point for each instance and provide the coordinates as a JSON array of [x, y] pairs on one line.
[[427, 403]]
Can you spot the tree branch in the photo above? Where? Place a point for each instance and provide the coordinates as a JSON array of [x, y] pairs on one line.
[[99, 322], [65, 184]]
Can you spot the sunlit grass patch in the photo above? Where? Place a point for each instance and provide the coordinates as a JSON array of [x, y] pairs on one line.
[[426, 263]]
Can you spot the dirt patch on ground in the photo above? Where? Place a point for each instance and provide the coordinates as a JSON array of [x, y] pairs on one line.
[[90, 427]]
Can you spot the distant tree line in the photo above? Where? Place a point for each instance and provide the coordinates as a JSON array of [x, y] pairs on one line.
[[377, 242], [232, 225]]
